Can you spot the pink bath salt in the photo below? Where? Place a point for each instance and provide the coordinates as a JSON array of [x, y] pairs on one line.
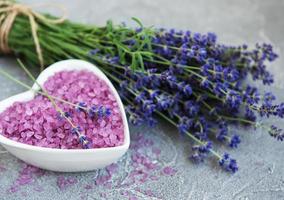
[[112, 169], [2, 168], [104, 195], [88, 187], [63, 182], [133, 198], [26, 176], [38, 123], [103, 179], [169, 171], [124, 192], [156, 151], [38, 189]]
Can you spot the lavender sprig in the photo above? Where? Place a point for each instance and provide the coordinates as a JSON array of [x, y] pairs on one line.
[[84, 141], [222, 82]]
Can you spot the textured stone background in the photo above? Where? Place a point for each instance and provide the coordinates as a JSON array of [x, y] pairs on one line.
[[260, 158]]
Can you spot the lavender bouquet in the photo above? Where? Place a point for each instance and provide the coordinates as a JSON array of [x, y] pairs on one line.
[[188, 79]]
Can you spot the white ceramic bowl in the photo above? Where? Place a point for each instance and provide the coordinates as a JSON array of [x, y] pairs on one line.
[[65, 160]]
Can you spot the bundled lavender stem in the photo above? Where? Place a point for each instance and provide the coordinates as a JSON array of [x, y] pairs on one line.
[[188, 79]]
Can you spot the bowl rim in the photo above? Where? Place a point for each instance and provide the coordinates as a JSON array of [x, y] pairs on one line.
[[65, 65]]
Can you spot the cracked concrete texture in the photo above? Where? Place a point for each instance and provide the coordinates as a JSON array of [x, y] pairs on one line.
[[260, 158]]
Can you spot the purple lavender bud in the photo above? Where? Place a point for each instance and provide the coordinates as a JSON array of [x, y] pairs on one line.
[[276, 133], [268, 98], [82, 139], [234, 141], [67, 114], [221, 136], [80, 107], [187, 90], [76, 130], [228, 163], [94, 52]]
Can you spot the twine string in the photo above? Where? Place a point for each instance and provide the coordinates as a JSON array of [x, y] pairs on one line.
[[8, 13]]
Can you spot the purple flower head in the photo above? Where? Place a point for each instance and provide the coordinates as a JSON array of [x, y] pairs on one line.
[[94, 52], [205, 69], [280, 110], [202, 149], [184, 125], [98, 111], [276, 133], [234, 141], [76, 130], [268, 98], [82, 138], [200, 152], [231, 74], [212, 38], [85, 141], [191, 108], [135, 117], [228, 163], [140, 97], [220, 89], [267, 78], [268, 53], [148, 107], [251, 95], [250, 114], [81, 106], [154, 93], [164, 101], [221, 136], [233, 99], [266, 110], [187, 90], [67, 114]]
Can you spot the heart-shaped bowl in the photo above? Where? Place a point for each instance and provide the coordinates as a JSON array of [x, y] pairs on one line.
[[65, 160]]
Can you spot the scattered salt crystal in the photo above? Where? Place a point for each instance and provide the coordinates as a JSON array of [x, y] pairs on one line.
[[2, 168], [29, 112], [169, 171], [103, 123], [38, 136], [23, 134], [63, 182], [124, 192], [156, 151], [26, 176], [88, 187]]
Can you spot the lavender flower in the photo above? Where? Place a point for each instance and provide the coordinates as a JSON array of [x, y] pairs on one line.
[[276, 133], [195, 84], [228, 163], [235, 141], [99, 111]]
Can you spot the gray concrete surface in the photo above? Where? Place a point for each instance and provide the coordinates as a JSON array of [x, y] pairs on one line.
[[261, 159]]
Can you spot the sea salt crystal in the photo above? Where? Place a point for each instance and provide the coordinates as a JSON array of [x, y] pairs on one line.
[[169, 171], [102, 123], [38, 136]]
